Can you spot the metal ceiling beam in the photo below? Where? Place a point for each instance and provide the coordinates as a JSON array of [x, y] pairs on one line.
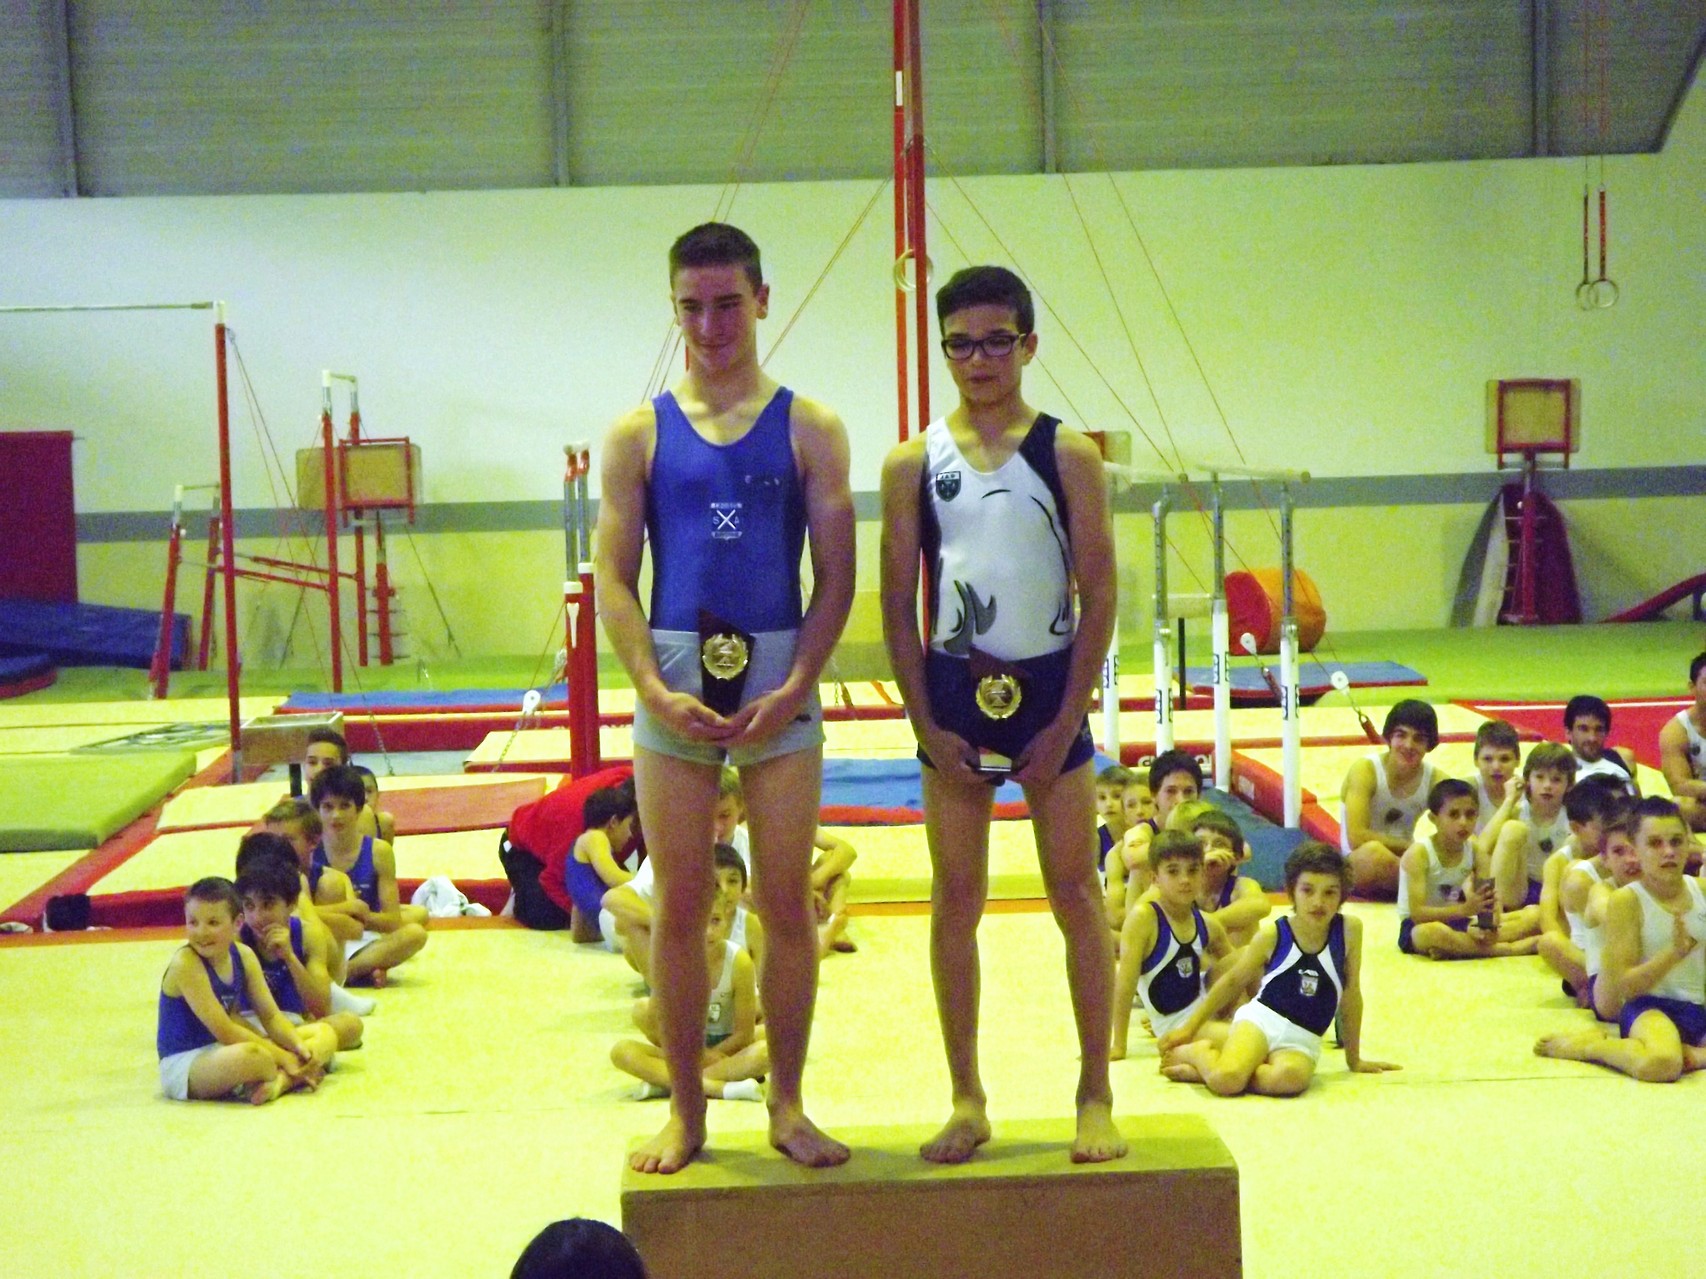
[[1045, 80], [65, 99], [1540, 78]]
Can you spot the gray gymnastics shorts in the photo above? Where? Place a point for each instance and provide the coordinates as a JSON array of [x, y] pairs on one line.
[[772, 658]]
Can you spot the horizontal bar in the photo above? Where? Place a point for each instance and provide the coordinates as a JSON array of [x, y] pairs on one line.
[[1279, 474], [109, 306]]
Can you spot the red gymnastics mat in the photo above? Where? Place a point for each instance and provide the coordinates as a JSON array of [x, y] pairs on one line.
[[1634, 724]]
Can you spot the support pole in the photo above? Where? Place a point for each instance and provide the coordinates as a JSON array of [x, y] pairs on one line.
[[902, 387], [1111, 676], [1220, 626], [330, 470], [915, 223], [160, 670], [1163, 663], [1292, 723], [228, 547], [382, 591]]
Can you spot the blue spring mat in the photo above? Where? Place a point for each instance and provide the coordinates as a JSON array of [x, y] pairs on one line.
[[88, 634], [1313, 677], [445, 699]]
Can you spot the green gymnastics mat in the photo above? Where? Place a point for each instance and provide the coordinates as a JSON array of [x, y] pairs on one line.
[[77, 801]]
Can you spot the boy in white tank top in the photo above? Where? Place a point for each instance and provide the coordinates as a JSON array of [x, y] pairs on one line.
[[1384, 794], [1682, 750], [1652, 966], [1539, 829], [1571, 873], [1444, 888]]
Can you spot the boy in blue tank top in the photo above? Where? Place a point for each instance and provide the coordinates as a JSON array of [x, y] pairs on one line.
[[728, 476], [1309, 963], [207, 1050], [1006, 511], [392, 932], [293, 951]]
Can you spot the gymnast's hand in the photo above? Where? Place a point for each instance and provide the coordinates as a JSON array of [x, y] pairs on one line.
[[764, 716], [687, 716], [275, 942], [1039, 764], [950, 755]]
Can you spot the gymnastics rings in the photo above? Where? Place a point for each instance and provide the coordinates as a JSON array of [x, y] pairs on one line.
[[904, 279], [1597, 295]]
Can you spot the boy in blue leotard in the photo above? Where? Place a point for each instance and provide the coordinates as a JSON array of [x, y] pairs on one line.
[[392, 932], [591, 869], [1309, 963], [1167, 944], [293, 949], [207, 1050]]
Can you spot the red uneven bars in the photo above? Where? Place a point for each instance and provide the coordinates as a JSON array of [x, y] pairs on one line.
[[228, 548], [902, 391], [915, 223]]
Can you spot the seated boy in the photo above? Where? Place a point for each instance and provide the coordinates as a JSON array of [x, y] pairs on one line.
[[1382, 796], [1567, 938], [735, 1058], [1175, 777], [1587, 722], [1538, 830], [392, 933], [832, 859], [1167, 943], [1446, 901], [1498, 755], [536, 848], [291, 950], [591, 868], [1653, 973], [1682, 750], [326, 748], [1309, 963], [375, 820], [1235, 902], [1623, 867], [207, 1051], [747, 931], [1111, 784], [341, 914]]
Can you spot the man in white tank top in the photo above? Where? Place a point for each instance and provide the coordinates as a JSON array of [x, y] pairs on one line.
[[1682, 750], [1007, 511], [1653, 969], [1383, 795], [1587, 722]]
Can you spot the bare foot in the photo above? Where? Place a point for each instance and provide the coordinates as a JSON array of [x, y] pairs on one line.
[[1181, 1073], [672, 1149], [1098, 1140], [378, 977], [804, 1142], [267, 1090], [965, 1131], [1567, 1047], [845, 945]]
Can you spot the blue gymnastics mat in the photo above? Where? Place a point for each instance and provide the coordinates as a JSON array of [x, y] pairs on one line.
[[1313, 677], [88, 634], [430, 699]]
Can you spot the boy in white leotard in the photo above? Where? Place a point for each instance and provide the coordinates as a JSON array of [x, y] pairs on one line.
[[1653, 968], [1167, 944], [1682, 750], [1383, 795], [1538, 830], [1570, 873], [734, 1057], [1310, 965], [1444, 887]]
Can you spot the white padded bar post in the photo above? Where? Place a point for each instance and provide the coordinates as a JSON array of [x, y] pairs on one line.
[[1163, 660], [1220, 627], [1292, 723]]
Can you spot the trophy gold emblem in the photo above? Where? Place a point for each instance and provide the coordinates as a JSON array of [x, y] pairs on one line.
[[998, 696], [724, 656]]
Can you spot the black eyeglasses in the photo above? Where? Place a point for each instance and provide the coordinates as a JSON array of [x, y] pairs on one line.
[[995, 346]]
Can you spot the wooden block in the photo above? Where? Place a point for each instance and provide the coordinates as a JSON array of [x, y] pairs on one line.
[[1020, 1207], [283, 739]]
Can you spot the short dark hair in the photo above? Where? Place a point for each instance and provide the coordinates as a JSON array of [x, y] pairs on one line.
[[332, 736], [1586, 704], [340, 781], [1553, 757], [1174, 845], [605, 805], [1449, 789], [1695, 667], [1170, 762], [1500, 733], [1223, 824], [296, 809], [727, 856], [1658, 808], [579, 1248], [1594, 799], [214, 888], [268, 871], [1115, 775], [1312, 857], [716, 244], [1415, 714], [367, 772], [986, 286]]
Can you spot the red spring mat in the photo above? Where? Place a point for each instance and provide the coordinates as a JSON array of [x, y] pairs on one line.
[[1634, 724], [435, 809]]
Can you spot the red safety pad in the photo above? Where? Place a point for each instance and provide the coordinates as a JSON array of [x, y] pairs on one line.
[[432, 810], [38, 519]]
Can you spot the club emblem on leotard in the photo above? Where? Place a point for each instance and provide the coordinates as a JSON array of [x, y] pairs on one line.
[[1392, 815], [1186, 966], [1308, 984], [725, 521], [1546, 845], [948, 485], [724, 656], [998, 696]]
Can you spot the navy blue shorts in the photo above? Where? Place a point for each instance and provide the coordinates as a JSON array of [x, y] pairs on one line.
[[1408, 926], [1042, 682], [1689, 1018], [1533, 896]]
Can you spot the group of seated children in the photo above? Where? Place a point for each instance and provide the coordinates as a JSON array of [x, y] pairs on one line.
[[254, 1002], [1194, 941]]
